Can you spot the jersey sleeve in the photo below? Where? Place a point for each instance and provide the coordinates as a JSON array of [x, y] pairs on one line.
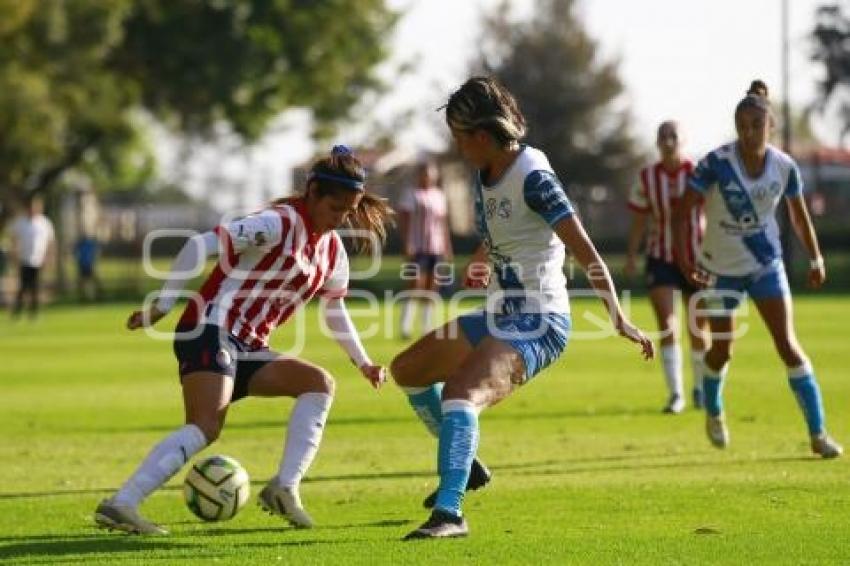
[[406, 202], [544, 194], [262, 230], [336, 285], [704, 176], [637, 195], [794, 185]]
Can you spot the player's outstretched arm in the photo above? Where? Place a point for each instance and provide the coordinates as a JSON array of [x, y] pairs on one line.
[[187, 264], [805, 230], [344, 332], [573, 235]]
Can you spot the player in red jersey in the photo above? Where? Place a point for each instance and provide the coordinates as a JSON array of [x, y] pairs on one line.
[[652, 202], [270, 264]]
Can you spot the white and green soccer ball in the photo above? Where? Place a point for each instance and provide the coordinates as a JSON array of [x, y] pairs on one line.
[[216, 488]]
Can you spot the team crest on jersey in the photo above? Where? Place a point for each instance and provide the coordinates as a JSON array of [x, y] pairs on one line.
[[505, 208]]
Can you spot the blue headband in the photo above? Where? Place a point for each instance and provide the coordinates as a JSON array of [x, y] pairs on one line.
[[345, 181]]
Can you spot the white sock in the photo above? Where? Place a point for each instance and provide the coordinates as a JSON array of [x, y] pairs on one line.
[[407, 317], [697, 367], [162, 462], [303, 435], [427, 316], [671, 359]]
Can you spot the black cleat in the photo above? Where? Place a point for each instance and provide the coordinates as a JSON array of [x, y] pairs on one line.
[[440, 524], [479, 476]]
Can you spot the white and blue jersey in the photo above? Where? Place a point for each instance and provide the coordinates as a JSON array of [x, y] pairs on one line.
[[515, 217], [527, 302], [742, 236]]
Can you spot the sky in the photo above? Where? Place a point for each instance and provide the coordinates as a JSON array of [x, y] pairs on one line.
[[690, 60]]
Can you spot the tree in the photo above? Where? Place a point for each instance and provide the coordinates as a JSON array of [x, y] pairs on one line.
[[567, 94], [75, 76], [831, 38]]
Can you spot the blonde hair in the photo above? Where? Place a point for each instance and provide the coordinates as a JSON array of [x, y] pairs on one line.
[[483, 103]]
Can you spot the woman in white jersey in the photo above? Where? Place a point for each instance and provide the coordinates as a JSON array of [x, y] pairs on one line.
[[424, 229], [741, 184], [270, 264], [652, 202], [525, 219]]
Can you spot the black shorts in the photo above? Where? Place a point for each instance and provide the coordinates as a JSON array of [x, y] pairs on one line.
[[29, 278], [660, 273], [427, 262], [210, 348]]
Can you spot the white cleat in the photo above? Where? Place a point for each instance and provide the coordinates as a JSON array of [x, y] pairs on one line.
[[675, 405], [826, 447], [716, 430], [114, 516], [285, 502]]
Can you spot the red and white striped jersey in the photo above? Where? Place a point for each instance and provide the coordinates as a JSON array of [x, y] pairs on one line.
[[270, 264], [426, 232], [657, 193]]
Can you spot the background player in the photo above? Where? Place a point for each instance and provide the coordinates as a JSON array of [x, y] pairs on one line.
[[424, 229], [742, 183], [270, 264], [652, 202]]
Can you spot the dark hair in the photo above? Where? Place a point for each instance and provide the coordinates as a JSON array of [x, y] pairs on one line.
[[339, 173], [483, 103], [757, 97]]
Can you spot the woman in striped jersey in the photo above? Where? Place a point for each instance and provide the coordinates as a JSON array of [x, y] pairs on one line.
[[652, 202], [269, 264]]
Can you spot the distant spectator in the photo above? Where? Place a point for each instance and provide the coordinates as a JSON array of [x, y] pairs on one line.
[[33, 235], [85, 253]]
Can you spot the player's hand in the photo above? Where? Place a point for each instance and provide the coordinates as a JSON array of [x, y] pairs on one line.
[[376, 375], [138, 319], [476, 275], [695, 276], [631, 332], [817, 276]]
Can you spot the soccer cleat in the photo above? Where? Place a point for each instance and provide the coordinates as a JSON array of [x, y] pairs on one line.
[[113, 516], [479, 476], [285, 502], [441, 524], [718, 433], [675, 405], [697, 397], [824, 445]]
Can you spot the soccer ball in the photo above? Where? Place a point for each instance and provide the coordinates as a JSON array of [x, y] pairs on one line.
[[216, 488]]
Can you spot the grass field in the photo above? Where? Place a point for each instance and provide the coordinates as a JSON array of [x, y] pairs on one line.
[[586, 468]]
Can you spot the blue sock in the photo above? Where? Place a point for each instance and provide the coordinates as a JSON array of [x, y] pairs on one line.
[[712, 390], [458, 444], [805, 387], [426, 403]]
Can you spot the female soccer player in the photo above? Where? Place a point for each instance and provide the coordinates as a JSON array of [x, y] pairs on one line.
[[524, 218], [425, 234], [741, 184], [652, 201], [270, 264]]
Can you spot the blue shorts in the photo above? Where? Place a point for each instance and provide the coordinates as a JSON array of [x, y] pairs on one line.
[[725, 293], [540, 338], [427, 262]]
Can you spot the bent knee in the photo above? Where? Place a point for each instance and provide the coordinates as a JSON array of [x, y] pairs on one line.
[[322, 382], [400, 369], [210, 427], [791, 353]]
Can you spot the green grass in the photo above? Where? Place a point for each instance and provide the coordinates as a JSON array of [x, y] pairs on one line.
[[586, 468]]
